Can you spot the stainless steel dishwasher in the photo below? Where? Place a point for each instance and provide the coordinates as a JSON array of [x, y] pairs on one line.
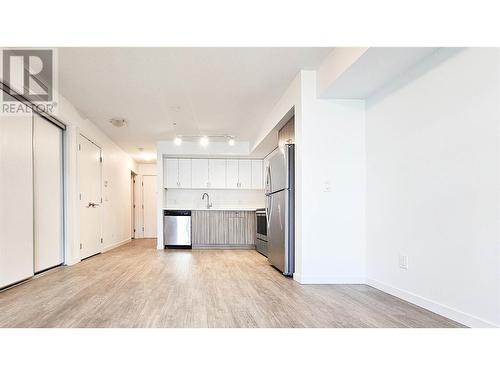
[[177, 229]]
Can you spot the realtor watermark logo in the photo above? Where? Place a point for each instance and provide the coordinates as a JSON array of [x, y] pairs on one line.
[[28, 75]]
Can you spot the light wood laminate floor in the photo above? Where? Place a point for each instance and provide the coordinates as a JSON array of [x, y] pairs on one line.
[[136, 285]]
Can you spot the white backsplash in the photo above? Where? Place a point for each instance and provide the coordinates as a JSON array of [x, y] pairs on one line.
[[220, 198]]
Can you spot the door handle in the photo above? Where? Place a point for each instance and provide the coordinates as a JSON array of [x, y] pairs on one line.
[[268, 209], [268, 180], [93, 205]]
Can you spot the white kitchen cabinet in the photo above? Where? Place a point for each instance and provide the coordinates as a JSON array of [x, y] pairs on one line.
[[217, 173], [199, 174], [239, 174], [232, 179], [171, 173], [257, 174], [184, 173], [213, 174], [245, 174], [177, 173]]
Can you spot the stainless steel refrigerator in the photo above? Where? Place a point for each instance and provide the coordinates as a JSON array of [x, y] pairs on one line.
[[280, 210]]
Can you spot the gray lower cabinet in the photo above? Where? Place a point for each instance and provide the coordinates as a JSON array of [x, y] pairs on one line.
[[223, 229]]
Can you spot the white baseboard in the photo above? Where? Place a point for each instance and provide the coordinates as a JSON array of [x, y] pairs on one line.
[[446, 311], [328, 279], [115, 245]]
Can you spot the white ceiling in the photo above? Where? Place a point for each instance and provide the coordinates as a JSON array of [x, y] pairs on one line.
[[206, 91]]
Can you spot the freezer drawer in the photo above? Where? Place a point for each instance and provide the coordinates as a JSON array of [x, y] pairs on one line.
[[177, 229]]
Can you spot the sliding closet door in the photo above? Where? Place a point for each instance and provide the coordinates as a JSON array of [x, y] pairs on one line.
[[48, 194], [16, 199]]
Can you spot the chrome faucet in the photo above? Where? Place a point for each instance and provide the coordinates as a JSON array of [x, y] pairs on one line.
[[208, 200]]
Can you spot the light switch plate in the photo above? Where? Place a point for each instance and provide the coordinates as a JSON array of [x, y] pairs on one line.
[[327, 186], [403, 261]]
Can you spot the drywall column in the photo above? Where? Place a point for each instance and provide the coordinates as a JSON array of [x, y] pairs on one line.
[[330, 188]]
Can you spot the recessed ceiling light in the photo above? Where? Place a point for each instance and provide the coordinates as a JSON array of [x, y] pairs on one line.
[[204, 141], [231, 141], [118, 122], [178, 141]]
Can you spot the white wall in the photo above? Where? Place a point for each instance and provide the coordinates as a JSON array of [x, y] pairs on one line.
[[433, 185], [116, 167], [146, 169], [330, 151], [190, 199]]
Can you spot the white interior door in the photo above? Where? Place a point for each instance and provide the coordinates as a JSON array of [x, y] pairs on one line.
[[89, 181], [138, 206], [16, 199], [132, 206], [149, 202], [48, 194]]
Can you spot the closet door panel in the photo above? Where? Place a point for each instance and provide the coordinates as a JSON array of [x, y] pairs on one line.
[[48, 194], [16, 199]]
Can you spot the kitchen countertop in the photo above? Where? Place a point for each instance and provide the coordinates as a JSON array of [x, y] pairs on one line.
[[213, 208]]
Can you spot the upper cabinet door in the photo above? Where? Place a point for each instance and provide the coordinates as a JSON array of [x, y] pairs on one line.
[[232, 181], [199, 173], [257, 171], [217, 173], [171, 173], [184, 173], [245, 174]]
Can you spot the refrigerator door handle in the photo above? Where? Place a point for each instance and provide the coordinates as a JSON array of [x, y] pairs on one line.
[[268, 210], [268, 180]]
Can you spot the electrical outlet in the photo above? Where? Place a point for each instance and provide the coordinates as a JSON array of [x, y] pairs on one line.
[[403, 261]]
